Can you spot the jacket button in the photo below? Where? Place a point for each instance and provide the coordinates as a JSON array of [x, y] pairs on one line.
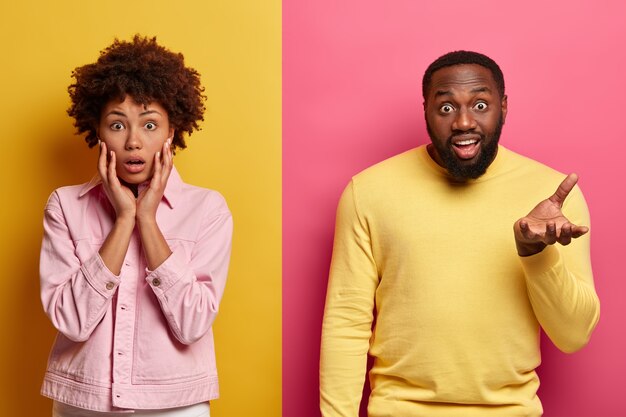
[[110, 285], [156, 282]]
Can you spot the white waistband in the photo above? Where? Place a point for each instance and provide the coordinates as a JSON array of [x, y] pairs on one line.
[[197, 410]]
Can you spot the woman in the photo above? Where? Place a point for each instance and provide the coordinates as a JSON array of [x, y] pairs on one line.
[[134, 263]]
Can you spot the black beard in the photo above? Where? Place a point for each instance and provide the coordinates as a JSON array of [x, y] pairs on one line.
[[461, 172]]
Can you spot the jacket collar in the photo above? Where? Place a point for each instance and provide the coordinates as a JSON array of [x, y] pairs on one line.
[[171, 194]]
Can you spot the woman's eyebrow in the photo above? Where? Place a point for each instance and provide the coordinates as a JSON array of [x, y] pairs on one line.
[[150, 112], [116, 113], [121, 113]]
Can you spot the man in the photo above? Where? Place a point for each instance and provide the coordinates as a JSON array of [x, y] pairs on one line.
[[429, 279]]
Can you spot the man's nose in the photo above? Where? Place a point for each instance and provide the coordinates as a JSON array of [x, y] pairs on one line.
[[464, 121]]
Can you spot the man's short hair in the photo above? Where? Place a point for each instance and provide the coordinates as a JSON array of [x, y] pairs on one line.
[[460, 58]]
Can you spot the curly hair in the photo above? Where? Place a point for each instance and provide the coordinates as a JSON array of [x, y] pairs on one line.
[[145, 71], [459, 58]]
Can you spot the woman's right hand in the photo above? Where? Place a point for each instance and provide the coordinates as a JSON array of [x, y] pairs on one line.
[[120, 196]]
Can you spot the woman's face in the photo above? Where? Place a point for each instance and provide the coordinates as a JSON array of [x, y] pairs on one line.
[[135, 132]]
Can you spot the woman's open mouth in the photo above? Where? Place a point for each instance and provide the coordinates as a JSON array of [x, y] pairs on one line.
[[134, 165]]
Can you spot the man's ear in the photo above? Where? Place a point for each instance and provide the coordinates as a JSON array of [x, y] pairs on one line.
[[503, 106]]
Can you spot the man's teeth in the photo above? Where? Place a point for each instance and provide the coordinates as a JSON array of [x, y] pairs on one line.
[[466, 142]]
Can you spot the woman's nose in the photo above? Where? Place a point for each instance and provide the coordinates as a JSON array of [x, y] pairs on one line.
[[133, 141]]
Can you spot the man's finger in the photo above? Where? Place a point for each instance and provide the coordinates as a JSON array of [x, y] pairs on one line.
[[578, 231], [565, 237], [550, 236], [526, 232], [564, 189]]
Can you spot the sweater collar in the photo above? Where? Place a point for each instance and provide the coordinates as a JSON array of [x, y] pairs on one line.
[[494, 168]]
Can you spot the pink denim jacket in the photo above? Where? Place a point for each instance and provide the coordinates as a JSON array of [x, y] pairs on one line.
[[142, 339]]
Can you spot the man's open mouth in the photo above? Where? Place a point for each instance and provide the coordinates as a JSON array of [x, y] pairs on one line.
[[466, 148]]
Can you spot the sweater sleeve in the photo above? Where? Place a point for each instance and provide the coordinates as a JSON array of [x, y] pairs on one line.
[[349, 312], [560, 284]]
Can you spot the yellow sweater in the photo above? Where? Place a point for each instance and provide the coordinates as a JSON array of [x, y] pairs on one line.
[[425, 277]]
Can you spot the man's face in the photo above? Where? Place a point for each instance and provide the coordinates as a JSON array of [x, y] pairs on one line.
[[464, 117]]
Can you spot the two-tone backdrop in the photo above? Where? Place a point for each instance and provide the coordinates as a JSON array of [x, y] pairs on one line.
[[301, 96]]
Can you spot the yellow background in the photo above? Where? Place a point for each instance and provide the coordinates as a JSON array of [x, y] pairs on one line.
[[236, 47]]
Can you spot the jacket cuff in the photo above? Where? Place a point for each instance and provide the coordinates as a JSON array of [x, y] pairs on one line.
[[99, 276], [167, 274]]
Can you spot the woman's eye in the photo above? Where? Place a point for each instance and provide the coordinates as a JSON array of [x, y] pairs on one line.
[[480, 106], [446, 108], [151, 126], [117, 126]]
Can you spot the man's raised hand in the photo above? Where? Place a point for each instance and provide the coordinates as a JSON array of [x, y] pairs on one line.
[[546, 224]]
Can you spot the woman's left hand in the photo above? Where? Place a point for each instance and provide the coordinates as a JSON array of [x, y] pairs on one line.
[[148, 199]]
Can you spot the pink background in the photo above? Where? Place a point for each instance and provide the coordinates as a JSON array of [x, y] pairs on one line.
[[351, 97]]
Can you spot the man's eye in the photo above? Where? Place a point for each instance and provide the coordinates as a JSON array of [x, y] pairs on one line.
[[480, 106], [117, 126], [151, 126], [446, 108]]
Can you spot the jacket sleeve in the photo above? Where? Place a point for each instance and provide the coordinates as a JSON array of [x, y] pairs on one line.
[[75, 295], [560, 284], [189, 287], [349, 312]]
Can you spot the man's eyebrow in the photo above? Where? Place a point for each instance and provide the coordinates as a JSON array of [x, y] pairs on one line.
[[481, 90]]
